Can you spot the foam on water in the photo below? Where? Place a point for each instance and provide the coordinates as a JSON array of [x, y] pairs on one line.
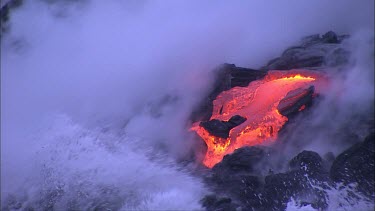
[[339, 197], [82, 169]]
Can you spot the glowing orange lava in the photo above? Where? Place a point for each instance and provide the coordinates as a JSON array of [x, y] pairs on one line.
[[258, 104]]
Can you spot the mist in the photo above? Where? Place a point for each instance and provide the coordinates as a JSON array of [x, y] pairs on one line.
[[343, 115], [102, 91]]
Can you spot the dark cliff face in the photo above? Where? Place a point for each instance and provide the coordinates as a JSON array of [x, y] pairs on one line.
[[245, 179]]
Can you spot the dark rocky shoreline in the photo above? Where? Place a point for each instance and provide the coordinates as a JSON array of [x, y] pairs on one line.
[[237, 182]]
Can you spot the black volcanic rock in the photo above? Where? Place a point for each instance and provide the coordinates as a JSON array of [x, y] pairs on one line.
[[356, 165], [307, 161], [241, 187], [307, 170], [297, 57], [314, 52], [235, 121], [241, 77], [279, 188], [214, 203], [294, 100], [330, 37], [237, 174], [244, 159], [216, 127], [221, 128]]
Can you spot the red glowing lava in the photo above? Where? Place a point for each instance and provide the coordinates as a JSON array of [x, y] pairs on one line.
[[258, 104]]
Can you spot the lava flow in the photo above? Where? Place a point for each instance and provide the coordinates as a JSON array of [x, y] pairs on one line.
[[258, 104]]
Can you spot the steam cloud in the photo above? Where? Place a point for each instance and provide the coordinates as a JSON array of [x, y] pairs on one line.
[[347, 109], [344, 114], [89, 89]]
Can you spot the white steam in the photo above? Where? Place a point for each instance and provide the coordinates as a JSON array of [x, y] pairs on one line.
[[127, 75], [345, 114]]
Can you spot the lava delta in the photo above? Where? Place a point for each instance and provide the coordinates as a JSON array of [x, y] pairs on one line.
[[253, 115]]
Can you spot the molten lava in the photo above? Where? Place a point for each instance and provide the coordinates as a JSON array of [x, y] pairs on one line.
[[258, 104]]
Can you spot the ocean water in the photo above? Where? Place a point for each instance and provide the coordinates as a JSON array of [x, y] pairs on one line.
[[80, 169]]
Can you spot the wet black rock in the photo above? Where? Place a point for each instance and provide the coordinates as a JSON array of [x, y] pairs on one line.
[[243, 188], [221, 128], [280, 188], [356, 165], [306, 171], [307, 161], [239, 176]]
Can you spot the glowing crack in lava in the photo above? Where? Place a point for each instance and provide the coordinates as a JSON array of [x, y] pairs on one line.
[[258, 104]]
